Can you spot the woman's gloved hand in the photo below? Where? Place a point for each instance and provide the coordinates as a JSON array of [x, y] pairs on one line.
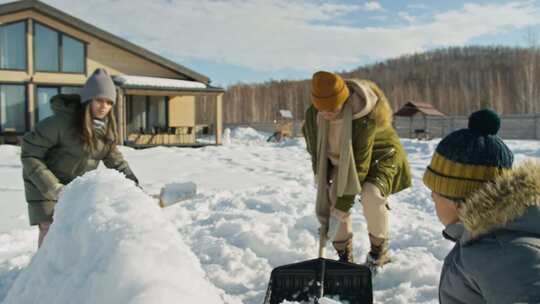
[[56, 191]]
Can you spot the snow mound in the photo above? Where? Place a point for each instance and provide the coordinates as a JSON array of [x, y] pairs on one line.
[[110, 243], [248, 134]]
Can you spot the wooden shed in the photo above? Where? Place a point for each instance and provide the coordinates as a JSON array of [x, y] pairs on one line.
[[414, 109]]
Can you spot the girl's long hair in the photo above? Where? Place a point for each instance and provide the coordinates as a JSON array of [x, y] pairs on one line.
[[85, 128]]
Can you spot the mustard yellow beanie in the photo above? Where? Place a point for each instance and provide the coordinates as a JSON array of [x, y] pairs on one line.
[[328, 91]]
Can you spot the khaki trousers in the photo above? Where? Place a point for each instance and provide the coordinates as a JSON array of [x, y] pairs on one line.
[[375, 212]]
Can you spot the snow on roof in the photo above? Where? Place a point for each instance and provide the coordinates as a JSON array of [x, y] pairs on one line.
[[156, 82], [285, 113]]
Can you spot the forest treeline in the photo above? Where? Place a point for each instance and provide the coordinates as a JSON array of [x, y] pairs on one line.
[[456, 80]]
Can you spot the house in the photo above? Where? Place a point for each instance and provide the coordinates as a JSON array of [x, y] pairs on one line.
[[44, 51]]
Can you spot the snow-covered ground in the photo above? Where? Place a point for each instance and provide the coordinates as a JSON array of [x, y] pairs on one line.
[[254, 211]]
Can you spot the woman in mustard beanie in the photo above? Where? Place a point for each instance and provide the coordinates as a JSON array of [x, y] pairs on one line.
[[354, 150], [492, 214]]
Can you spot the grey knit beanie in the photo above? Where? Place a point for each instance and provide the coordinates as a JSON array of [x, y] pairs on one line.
[[99, 85]]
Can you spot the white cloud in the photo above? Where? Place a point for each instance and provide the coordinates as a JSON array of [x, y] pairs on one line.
[[269, 35], [407, 17], [417, 6], [373, 6]]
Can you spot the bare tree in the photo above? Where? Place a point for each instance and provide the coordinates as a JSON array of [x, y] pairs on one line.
[[455, 80]]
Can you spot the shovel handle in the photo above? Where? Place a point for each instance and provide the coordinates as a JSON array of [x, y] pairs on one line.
[[322, 244]]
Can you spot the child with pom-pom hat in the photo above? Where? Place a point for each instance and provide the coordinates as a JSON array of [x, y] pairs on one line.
[[491, 212]]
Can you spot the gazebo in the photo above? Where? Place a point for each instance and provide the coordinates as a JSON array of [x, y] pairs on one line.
[[412, 109]]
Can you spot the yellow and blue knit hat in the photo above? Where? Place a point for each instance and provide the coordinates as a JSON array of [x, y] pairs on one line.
[[466, 159]]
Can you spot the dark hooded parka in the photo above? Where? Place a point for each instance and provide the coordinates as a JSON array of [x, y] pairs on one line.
[[54, 154], [496, 258]]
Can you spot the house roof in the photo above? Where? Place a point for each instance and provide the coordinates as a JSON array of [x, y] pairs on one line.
[[83, 26], [411, 108], [285, 114], [157, 83]]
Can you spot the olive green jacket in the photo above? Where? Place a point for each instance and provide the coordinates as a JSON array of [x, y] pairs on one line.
[[52, 154], [379, 156]]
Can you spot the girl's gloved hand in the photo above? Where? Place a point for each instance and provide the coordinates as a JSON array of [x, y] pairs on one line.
[[56, 191]]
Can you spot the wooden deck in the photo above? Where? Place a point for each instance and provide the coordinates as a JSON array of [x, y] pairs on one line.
[[162, 139], [146, 146]]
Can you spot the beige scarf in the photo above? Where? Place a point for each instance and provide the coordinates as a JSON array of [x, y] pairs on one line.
[[347, 179]]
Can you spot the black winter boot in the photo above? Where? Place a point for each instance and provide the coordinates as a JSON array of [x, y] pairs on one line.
[[344, 250], [378, 255]]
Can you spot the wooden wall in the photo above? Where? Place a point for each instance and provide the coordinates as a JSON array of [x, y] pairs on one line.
[[182, 111]]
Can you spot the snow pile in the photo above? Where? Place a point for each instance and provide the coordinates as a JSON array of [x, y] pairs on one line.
[[111, 244], [254, 211], [226, 137], [247, 134]]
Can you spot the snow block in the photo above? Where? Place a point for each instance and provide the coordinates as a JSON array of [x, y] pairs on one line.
[[110, 243]]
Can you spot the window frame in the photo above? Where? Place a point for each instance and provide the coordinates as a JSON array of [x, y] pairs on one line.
[[60, 50], [48, 86], [25, 21], [147, 102], [26, 107]]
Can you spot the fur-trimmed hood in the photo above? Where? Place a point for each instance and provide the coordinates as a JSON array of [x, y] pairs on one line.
[[512, 203], [374, 101]]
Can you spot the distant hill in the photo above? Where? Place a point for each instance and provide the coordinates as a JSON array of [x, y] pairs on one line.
[[455, 80]]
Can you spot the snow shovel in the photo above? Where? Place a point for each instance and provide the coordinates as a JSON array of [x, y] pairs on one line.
[[310, 280], [173, 193]]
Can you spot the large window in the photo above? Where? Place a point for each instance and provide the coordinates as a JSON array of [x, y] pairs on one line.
[[58, 52], [136, 114], [45, 93], [46, 49], [146, 114], [157, 113], [13, 46], [72, 55], [12, 108]]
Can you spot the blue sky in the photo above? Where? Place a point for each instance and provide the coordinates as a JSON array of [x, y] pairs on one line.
[[234, 41]]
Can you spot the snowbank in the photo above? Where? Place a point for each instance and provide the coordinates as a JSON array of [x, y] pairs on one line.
[[246, 134], [254, 211], [111, 244]]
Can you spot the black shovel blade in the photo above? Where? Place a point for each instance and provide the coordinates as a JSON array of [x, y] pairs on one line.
[[301, 282]]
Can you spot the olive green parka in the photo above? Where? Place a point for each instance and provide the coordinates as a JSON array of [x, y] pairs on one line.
[[379, 156]]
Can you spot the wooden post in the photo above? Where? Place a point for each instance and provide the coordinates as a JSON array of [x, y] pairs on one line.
[[31, 114], [30, 44], [30, 69], [536, 126], [410, 127], [121, 116], [219, 118], [426, 134]]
